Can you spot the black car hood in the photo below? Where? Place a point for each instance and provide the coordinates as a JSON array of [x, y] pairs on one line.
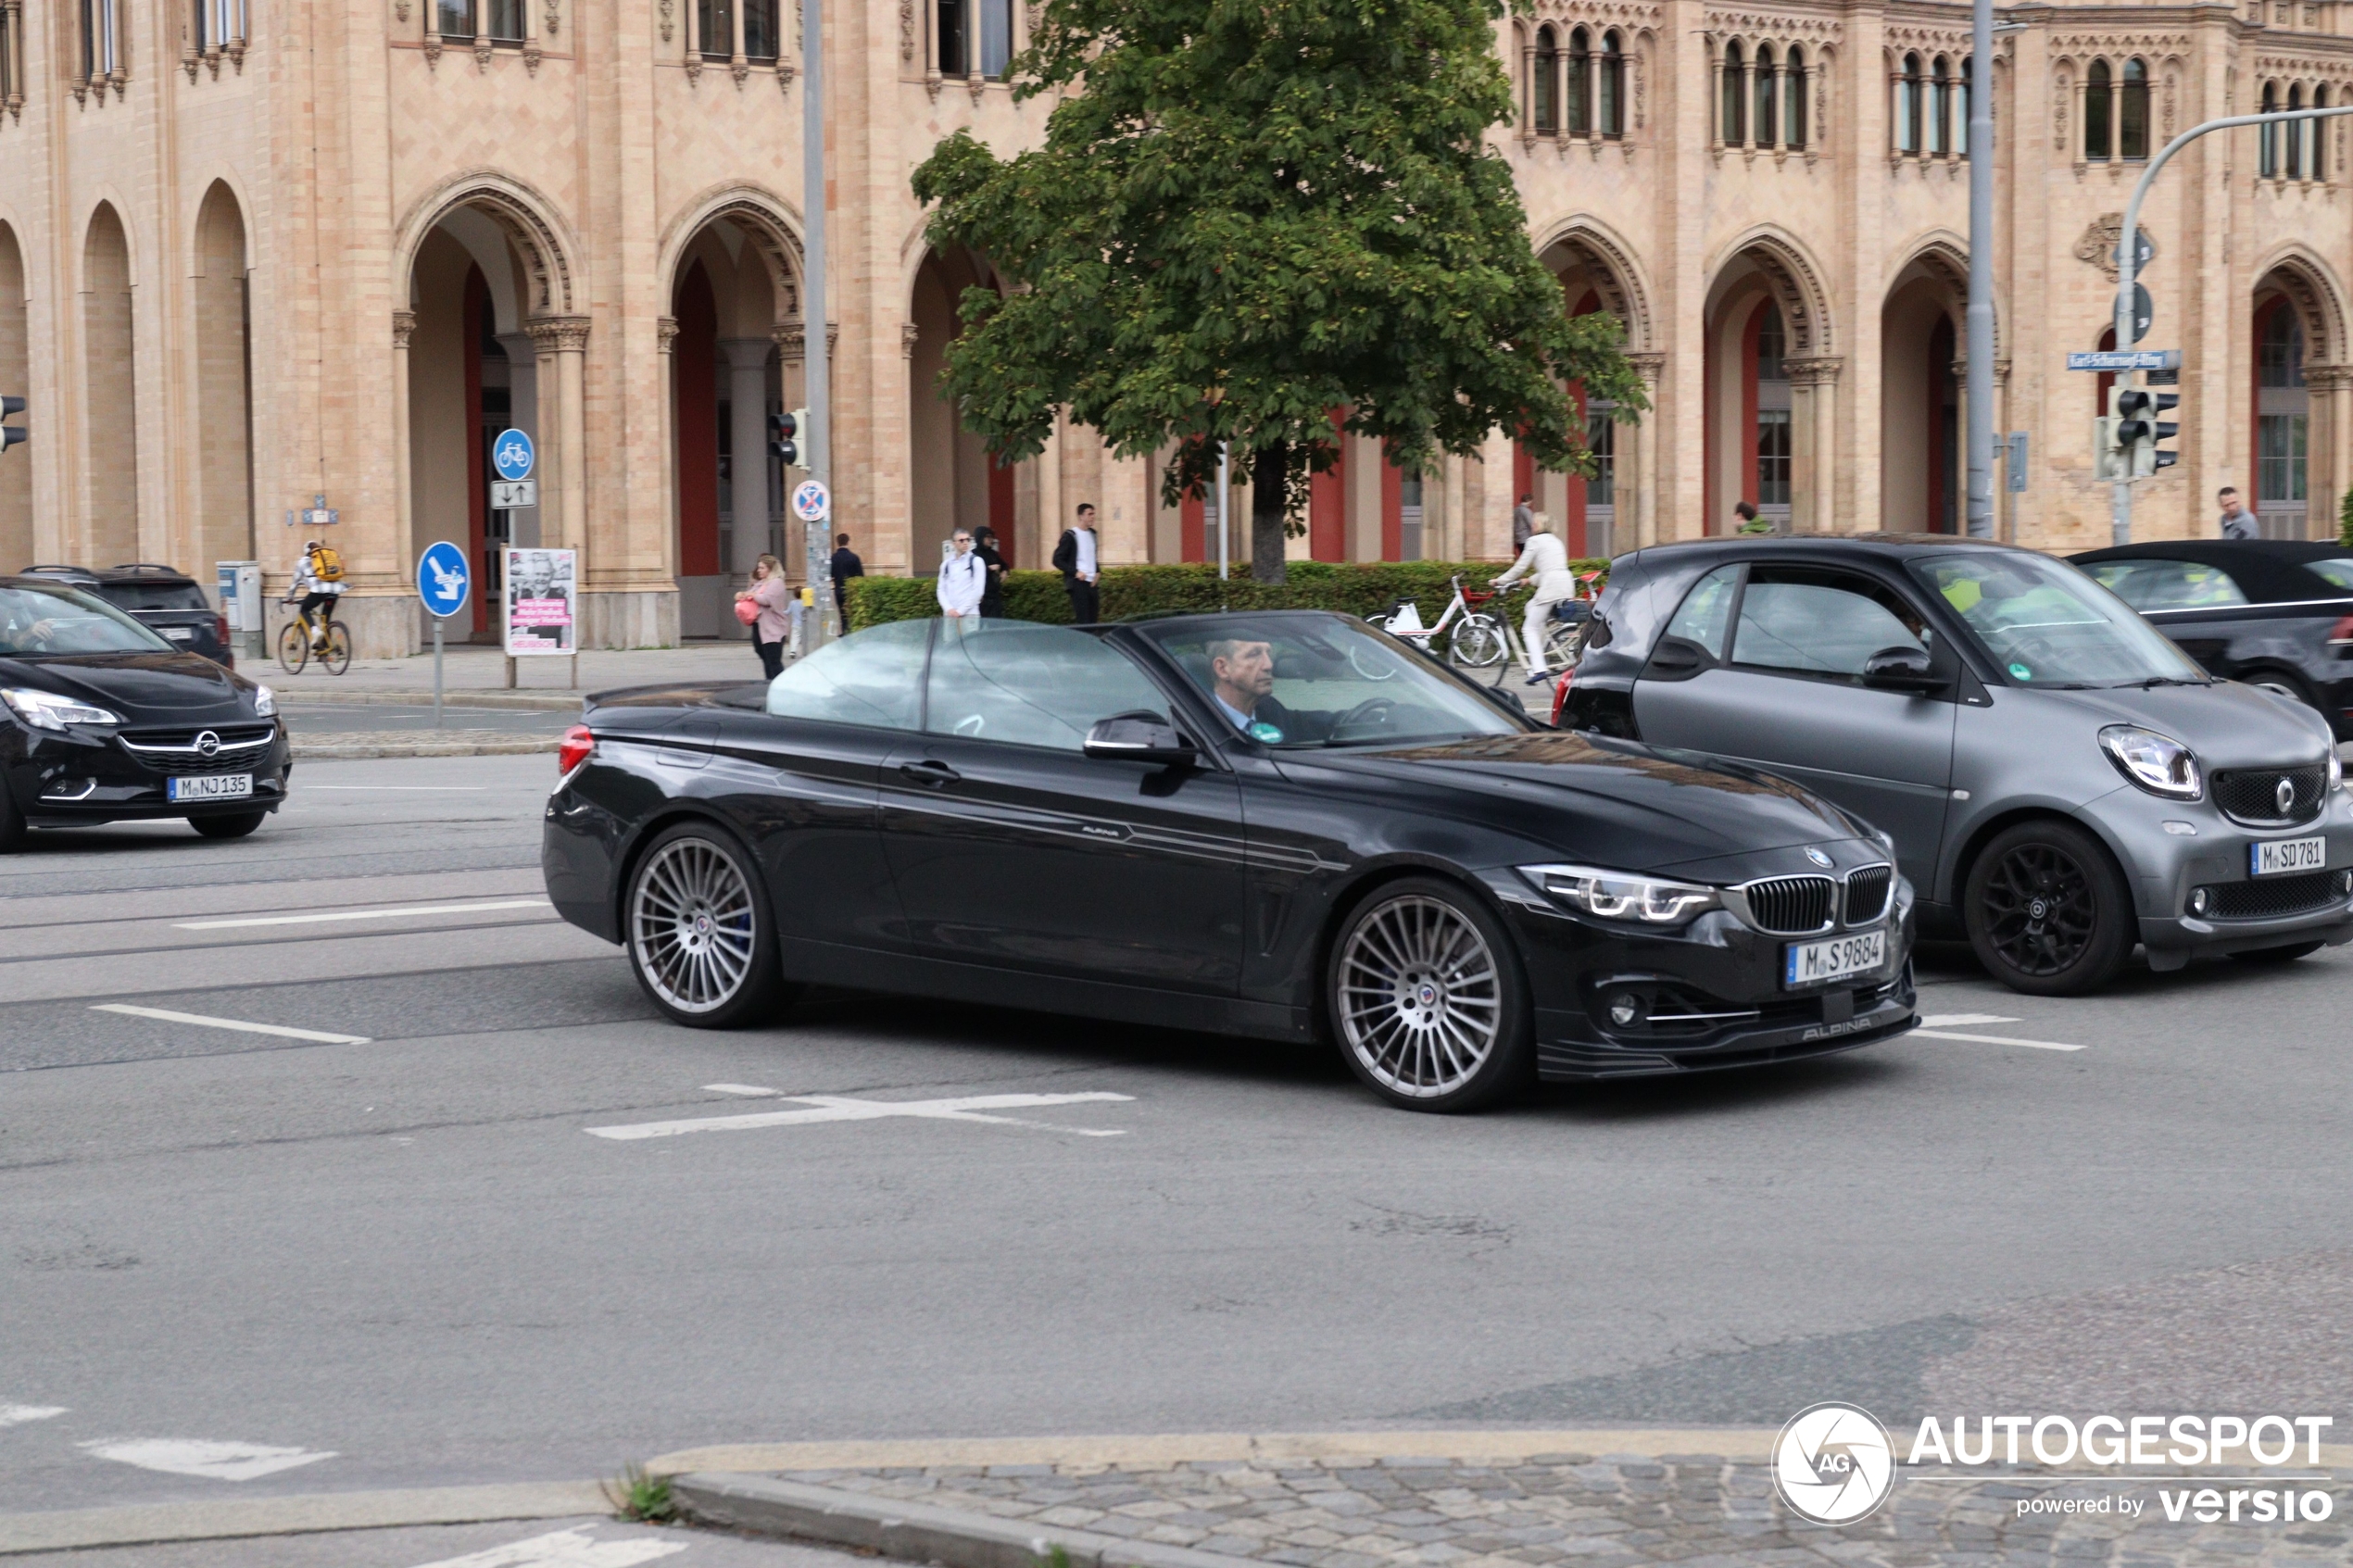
[[150, 687], [1640, 806]]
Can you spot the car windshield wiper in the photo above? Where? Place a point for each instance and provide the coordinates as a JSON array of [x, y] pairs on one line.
[[2165, 681]]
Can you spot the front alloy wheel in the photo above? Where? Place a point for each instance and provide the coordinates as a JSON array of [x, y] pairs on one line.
[[1426, 997], [2047, 911], [698, 932]]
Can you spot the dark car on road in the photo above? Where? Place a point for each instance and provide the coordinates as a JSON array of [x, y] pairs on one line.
[[2275, 613], [2060, 780], [102, 719], [163, 599], [1281, 825]]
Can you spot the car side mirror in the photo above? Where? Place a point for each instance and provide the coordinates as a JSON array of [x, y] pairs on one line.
[[1139, 737], [1900, 670]]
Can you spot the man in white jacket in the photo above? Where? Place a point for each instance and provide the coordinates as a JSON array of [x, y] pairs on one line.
[[1546, 560], [963, 580]]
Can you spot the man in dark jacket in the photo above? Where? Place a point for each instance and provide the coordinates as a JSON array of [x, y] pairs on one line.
[[846, 566], [992, 596], [1077, 559]]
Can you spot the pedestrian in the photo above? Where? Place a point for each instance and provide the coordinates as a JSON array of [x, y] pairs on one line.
[[1545, 559], [1745, 521], [1523, 521], [2237, 521], [846, 566], [992, 597], [1077, 559], [961, 578], [770, 591]]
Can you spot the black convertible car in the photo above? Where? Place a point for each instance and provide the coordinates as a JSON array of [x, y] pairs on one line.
[[1279, 824]]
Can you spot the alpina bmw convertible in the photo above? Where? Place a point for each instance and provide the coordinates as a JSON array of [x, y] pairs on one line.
[[1283, 825]]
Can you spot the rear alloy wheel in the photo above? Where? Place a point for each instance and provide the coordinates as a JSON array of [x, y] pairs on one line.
[[1427, 999], [236, 826], [700, 936], [2288, 954], [2047, 910]]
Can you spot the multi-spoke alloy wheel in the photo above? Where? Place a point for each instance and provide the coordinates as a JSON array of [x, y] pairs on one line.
[[698, 935], [1425, 998], [2046, 911]]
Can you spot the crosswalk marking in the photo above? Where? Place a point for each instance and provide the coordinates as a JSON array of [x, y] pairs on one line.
[[196, 1456], [842, 1107]]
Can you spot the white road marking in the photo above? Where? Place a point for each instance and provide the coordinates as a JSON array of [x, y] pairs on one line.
[[749, 1091], [196, 1456], [564, 1549], [201, 1022], [408, 789], [1961, 1020], [14, 1416], [842, 1107], [1995, 1041], [322, 915]]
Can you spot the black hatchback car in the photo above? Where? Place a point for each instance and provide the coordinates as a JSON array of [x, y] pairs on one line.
[[1278, 825], [2275, 613], [103, 719], [163, 599]]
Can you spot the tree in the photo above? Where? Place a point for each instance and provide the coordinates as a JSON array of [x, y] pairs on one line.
[[1246, 216]]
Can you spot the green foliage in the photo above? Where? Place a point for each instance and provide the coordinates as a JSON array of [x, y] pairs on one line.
[[1244, 216], [635, 1495], [2345, 520], [1353, 589]]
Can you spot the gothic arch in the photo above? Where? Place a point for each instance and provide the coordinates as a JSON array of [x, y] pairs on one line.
[[1943, 255], [771, 223], [2311, 287], [526, 216], [200, 214], [1796, 284], [1588, 242]]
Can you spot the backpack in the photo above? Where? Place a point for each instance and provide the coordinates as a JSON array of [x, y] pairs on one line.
[[326, 565]]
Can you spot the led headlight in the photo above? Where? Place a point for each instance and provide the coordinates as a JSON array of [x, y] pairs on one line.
[[2157, 763], [1623, 896], [47, 710], [265, 702]]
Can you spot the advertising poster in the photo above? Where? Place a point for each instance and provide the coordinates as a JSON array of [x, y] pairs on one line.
[[540, 594]]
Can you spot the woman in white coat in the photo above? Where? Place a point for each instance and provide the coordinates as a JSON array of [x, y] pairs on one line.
[[1546, 559]]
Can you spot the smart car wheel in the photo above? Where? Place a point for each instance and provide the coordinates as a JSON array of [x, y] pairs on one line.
[[2047, 911], [700, 936], [1427, 999]]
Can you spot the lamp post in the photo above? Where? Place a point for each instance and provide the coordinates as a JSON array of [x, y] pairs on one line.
[[817, 352], [1980, 271]]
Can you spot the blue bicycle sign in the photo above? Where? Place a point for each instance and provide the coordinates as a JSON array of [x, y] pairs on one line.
[[512, 455]]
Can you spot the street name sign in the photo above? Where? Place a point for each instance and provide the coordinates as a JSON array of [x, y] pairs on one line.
[[2106, 360]]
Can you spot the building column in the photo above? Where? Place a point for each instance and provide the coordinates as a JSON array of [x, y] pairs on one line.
[[1814, 444], [562, 344], [404, 324], [747, 466], [2329, 389]]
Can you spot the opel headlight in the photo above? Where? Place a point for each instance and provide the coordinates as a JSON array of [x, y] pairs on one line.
[[265, 703], [1623, 896], [47, 710], [2157, 763]]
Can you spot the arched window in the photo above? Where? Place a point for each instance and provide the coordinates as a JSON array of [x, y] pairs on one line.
[[1963, 110], [102, 40], [1546, 86], [1793, 97], [1908, 107], [1940, 109], [2135, 115], [2293, 164], [1580, 83], [2097, 143], [1613, 85], [2315, 163], [1764, 96], [2267, 146], [1734, 120]]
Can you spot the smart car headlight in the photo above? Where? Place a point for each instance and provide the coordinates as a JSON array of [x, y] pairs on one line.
[[1623, 896], [47, 710], [2157, 762]]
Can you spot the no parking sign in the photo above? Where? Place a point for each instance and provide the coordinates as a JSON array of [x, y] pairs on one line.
[[812, 502]]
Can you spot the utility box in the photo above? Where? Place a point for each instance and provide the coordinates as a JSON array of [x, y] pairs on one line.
[[240, 586]]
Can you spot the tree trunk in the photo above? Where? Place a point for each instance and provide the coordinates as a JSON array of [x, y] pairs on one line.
[[1268, 471]]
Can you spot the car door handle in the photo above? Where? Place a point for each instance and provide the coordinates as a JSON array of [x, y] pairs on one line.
[[930, 771]]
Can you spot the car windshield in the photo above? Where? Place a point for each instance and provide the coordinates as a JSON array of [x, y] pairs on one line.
[[2047, 624], [65, 620], [153, 596], [1324, 681]]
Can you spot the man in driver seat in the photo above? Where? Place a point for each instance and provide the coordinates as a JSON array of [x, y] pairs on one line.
[[1241, 674]]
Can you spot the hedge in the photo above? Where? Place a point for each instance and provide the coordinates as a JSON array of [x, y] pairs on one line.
[[1357, 589]]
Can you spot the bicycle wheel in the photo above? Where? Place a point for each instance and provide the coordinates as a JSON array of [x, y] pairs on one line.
[[1563, 644], [1479, 644], [337, 658], [294, 646]]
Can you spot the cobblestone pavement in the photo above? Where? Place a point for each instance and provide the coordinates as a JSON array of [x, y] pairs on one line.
[[1596, 1510]]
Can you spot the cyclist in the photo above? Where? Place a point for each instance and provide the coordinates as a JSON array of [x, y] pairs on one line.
[[1545, 559], [319, 581]]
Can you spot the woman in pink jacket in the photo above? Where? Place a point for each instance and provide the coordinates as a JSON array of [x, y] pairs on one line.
[[771, 593]]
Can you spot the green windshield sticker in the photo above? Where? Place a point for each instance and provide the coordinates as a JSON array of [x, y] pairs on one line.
[[2024, 673], [1265, 731], [1963, 595]]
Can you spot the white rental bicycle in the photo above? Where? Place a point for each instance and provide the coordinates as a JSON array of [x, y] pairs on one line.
[[1483, 639]]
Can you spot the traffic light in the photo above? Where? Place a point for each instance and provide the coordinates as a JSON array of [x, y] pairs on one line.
[[2110, 462], [2138, 431], [786, 433], [10, 434]]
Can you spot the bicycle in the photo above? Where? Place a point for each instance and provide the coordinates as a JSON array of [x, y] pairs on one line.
[[299, 642], [1490, 639], [1477, 642]]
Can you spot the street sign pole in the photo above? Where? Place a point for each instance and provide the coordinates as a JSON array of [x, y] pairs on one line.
[[436, 671], [1981, 272], [2128, 259], [815, 352], [445, 578]]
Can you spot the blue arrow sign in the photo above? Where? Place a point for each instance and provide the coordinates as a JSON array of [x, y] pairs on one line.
[[512, 455], [443, 579]]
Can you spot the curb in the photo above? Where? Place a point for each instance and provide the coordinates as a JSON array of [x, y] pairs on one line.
[[422, 743], [912, 1532], [148, 1523], [550, 701]]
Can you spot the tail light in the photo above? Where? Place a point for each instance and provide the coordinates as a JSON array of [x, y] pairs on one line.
[[574, 750], [228, 649], [1560, 694], [2341, 634]]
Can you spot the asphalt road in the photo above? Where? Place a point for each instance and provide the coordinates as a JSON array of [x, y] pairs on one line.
[[422, 1257]]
